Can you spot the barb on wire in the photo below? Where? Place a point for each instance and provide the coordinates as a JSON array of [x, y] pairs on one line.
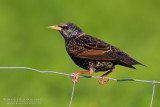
[[73, 75]]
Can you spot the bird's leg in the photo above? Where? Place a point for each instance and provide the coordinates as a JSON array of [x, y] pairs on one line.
[[102, 80], [91, 70]]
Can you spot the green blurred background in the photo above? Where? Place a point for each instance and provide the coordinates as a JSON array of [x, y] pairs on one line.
[[25, 40]]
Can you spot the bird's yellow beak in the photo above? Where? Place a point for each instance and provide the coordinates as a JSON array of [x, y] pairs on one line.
[[55, 27]]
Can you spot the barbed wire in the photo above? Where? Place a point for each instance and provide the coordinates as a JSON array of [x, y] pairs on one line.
[[74, 77]]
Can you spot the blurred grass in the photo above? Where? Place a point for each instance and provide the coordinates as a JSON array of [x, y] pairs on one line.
[[133, 26]]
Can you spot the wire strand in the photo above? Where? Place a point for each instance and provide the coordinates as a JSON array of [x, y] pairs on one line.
[[73, 75], [153, 82], [74, 83]]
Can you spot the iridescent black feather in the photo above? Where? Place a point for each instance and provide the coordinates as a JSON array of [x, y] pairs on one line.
[[86, 50]]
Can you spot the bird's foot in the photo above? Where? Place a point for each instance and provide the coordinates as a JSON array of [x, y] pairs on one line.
[[75, 76], [102, 80]]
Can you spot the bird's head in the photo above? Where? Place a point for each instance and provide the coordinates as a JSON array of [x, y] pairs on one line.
[[68, 30]]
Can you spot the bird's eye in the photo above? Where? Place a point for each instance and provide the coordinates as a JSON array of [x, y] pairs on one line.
[[64, 27]]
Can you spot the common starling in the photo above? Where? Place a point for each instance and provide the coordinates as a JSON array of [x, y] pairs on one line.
[[91, 53]]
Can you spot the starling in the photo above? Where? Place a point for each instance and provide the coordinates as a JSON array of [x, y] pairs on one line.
[[91, 53]]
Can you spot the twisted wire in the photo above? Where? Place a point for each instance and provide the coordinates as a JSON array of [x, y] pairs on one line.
[[74, 77]]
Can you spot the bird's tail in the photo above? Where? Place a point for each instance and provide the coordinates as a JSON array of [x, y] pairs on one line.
[[134, 62]]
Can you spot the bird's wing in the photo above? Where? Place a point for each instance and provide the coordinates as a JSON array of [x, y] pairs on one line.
[[87, 47]]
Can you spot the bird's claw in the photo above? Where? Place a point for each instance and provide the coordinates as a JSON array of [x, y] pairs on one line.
[[102, 80], [75, 77]]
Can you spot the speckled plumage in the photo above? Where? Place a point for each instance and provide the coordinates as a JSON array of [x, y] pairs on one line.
[[87, 51]]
